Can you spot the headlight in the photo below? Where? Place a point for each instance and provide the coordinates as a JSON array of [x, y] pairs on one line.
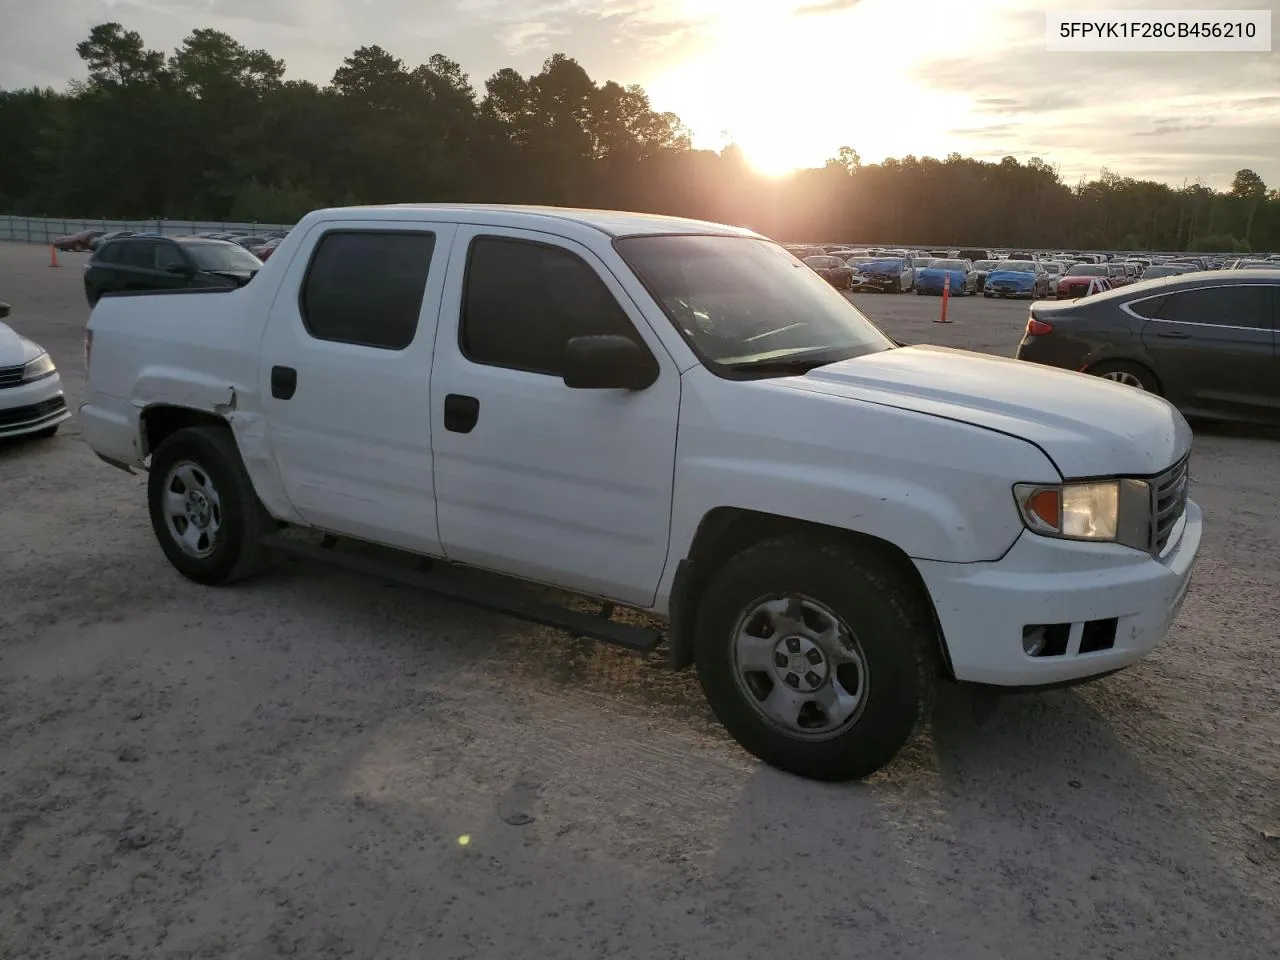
[[1110, 511], [42, 366]]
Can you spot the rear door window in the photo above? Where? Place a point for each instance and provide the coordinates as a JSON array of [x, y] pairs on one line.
[[139, 254], [365, 287], [1241, 305]]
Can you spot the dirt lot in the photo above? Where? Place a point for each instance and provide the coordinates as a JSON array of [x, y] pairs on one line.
[[290, 766]]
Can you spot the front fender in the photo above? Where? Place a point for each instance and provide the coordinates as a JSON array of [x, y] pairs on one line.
[[938, 489]]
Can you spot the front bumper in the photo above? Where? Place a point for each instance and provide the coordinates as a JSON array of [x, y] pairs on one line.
[[1001, 291], [883, 284], [32, 407], [984, 607]]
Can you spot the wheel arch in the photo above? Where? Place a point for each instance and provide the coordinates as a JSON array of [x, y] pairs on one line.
[[1127, 360], [161, 420], [726, 531]]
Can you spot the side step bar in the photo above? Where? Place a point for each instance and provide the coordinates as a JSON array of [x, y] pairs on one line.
[[596, 626]]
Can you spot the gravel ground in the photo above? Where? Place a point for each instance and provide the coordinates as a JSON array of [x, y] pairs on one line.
[[317, 765]]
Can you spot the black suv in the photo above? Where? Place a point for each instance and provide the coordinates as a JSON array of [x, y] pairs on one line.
[[167, 263]]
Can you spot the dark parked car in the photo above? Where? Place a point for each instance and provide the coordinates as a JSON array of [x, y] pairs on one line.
[[833, 270], [167, 263], [1204, 341]]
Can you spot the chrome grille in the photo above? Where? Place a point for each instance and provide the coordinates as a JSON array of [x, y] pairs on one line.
[[1168, 502], [10, 376]]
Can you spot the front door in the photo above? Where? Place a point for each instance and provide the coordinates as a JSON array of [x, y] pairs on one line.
[[562, 486], [344, 373], [1214, 348]]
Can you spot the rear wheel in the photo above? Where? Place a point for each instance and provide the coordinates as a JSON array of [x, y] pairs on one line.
[[203, 508], [1127, 374], [817, 657]]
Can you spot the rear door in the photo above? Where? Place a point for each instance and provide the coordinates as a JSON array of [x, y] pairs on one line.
[[533, 478], [344, 372], [1214, 348]]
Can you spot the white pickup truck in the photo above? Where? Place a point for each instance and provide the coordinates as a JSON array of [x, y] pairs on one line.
[[675, 416]]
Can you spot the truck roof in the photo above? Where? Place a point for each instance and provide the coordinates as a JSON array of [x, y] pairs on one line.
[[612, 223]]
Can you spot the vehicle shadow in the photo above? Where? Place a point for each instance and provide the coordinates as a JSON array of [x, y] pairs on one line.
[[1021, 827]]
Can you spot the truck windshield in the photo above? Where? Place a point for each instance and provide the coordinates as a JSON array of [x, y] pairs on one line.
[[747, 306]]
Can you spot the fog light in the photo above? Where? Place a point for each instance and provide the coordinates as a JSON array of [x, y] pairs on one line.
[[1033, 640]]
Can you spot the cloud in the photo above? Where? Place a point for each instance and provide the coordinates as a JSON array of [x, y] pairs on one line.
[[1211, 113], [1041, 103], [826, 6], [520, 38], [1164, 128]]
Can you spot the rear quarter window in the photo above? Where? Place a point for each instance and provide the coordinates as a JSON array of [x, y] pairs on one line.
[[1148, 308]]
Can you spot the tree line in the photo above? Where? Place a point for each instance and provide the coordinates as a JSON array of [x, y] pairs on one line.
[[215, 131]]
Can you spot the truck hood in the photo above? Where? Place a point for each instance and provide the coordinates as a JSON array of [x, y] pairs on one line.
[[1087, 426]]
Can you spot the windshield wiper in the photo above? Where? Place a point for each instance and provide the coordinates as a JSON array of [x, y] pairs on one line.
[[782, 366]]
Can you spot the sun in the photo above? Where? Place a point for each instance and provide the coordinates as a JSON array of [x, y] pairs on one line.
[[790, 90]]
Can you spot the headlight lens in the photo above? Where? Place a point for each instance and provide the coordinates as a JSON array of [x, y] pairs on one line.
[[41, 366], [1114, 511]]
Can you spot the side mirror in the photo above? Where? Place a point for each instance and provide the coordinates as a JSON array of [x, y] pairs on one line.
[[4, 310], [608, 363]]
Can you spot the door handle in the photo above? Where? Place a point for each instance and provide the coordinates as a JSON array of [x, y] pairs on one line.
[[460, 413], [1174, 335], [284, 381]]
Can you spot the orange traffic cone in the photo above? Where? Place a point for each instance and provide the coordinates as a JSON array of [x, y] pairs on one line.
[[946, 297], [53, 255]]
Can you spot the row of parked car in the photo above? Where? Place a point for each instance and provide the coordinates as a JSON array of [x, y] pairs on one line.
[[1025, 274], [260, 245]]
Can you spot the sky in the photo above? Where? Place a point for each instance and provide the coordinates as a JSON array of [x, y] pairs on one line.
[[789, 81]]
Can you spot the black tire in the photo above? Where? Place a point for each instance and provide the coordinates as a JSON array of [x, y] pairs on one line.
[[243, 521], [894, 630], [47, 433], [1113, 369]]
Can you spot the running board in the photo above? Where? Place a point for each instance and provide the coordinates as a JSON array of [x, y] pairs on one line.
[[575, 622]]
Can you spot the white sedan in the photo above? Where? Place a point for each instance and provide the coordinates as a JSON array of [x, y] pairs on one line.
[[31, 400]]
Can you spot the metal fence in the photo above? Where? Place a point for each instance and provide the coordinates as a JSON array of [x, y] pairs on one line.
[[48, 229]]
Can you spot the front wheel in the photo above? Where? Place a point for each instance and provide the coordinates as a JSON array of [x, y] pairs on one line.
[[817, 657], [204, 510]]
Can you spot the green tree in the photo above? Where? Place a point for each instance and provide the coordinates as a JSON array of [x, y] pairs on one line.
[[118, 57]]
